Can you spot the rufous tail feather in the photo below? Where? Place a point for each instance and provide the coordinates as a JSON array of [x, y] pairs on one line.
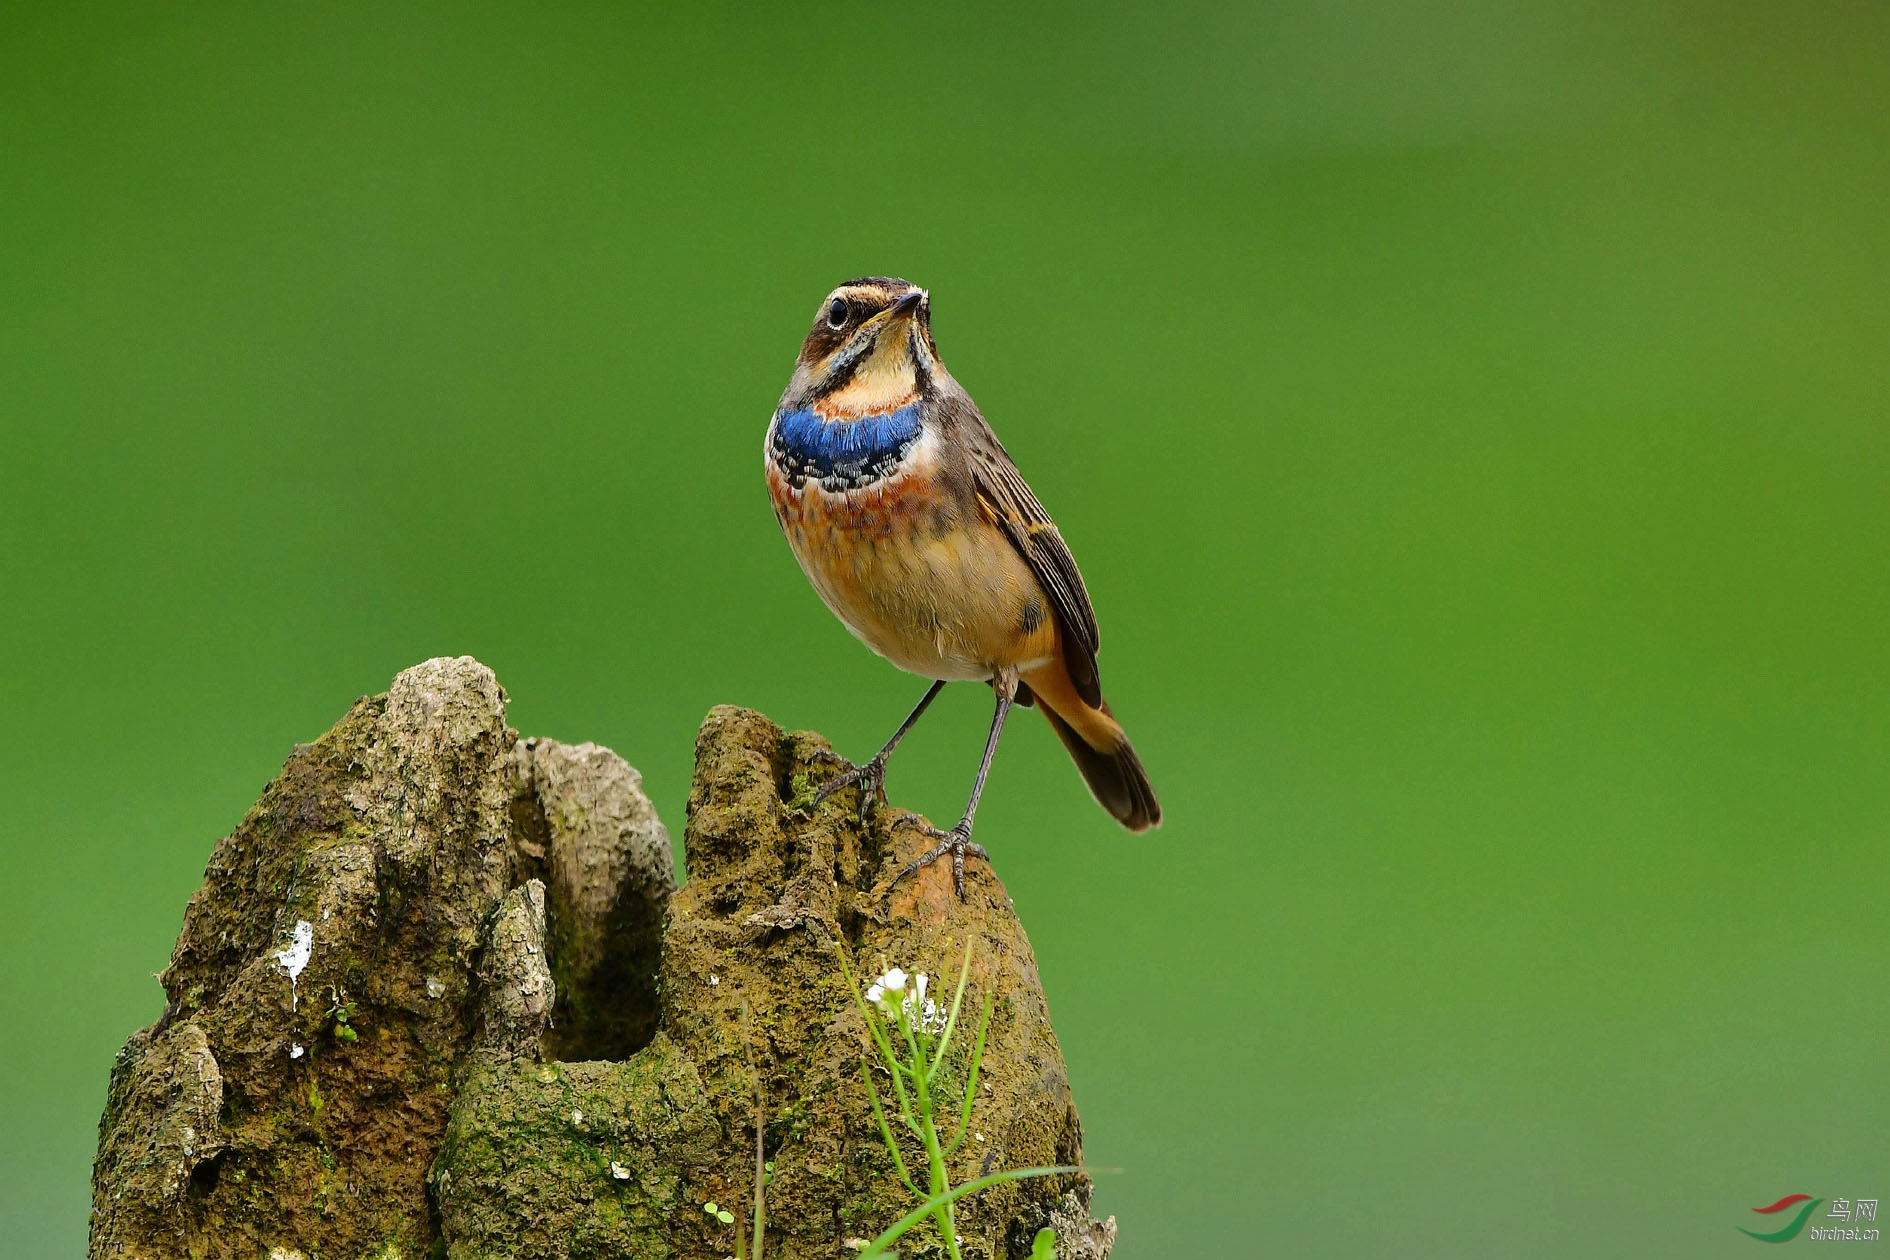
[[1099, 747], [1115, 777]]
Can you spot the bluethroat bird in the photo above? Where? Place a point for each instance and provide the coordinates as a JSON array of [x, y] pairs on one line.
[[920, 534]]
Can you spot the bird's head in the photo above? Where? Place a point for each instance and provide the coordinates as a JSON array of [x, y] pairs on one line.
[[870, 348]]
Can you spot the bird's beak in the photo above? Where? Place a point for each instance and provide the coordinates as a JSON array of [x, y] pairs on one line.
[[913, 301]]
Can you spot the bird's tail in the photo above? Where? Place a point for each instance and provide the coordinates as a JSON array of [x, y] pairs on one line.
[[1101, 750]]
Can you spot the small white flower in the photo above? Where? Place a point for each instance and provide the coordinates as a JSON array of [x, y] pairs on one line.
[[577, 1117], [979, 1136], [894, 981], [920, 983], [619, 1171], [715, 981], [876, 995], [295, 1050]]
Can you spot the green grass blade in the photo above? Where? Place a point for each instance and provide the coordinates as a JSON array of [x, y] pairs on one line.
[[951, 1021], [877, 1248], [885, 1129], [971, 1080]]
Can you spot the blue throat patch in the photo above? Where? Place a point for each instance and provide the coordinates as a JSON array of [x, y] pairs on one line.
[[842, 454]]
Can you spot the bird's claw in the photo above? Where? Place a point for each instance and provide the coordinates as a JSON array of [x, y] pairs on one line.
[[956, 842], [871, 777]]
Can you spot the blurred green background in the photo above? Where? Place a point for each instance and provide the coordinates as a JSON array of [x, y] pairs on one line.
[[1473, 422]]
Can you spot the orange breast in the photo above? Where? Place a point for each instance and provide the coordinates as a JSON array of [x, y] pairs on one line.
[[923, 581]]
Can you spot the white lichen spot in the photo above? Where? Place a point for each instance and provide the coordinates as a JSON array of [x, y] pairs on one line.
[[296, 956], [619, 1171], [435, 986], [295, 1051]]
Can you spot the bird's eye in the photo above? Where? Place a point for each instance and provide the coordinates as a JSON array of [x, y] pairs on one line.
[[837, 314]]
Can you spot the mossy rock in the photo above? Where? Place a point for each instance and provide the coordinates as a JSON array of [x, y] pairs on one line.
[[325, 996], [578, 1159], [370, 1002]]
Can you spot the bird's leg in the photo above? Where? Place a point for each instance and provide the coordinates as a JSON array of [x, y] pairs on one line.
[[957, 841], [872, 776]]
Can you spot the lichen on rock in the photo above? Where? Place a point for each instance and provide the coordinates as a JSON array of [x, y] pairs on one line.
[[435, 997]]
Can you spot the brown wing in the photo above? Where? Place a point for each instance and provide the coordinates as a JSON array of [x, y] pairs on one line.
[[1008, 502]]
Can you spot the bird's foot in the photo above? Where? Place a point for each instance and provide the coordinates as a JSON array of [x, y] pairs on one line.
[[872, 780], [956, 842]]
